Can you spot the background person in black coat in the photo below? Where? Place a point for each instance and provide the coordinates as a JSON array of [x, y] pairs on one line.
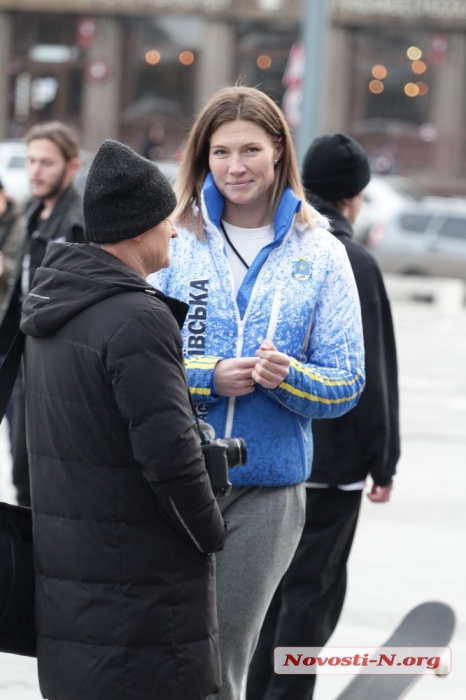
[[309, 600], [55, 214], [125, 521], [12, 232]]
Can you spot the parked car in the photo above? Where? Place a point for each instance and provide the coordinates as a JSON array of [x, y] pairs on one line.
[[13, 174], [383, 197], [427, 239], [13, 170], [169, 168]]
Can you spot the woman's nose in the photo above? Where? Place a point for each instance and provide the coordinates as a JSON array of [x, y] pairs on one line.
[[236, 165]]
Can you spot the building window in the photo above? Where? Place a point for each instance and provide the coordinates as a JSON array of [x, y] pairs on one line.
[[159, 79], [390, 96], [46, 71], [262, 52]]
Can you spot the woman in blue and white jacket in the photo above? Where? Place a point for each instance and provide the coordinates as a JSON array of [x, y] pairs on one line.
[[272, 339]]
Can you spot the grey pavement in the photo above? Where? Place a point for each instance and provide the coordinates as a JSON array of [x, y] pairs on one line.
[[412, 549], [408, 551]]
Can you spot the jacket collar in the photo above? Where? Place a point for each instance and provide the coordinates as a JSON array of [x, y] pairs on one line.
[[63, 211], [178, 308], [212, 204], [339, 224]]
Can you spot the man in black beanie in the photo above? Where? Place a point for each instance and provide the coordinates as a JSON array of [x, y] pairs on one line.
[[125, 521], [309, 600]]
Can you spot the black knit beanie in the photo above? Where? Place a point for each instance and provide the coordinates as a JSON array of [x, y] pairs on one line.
[[125, 195], [335, 167]]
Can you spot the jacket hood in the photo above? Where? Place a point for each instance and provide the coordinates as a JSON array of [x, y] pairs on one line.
[[339, 224], [73, 277]]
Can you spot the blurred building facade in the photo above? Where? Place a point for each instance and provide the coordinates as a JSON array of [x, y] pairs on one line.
[[395, 71]]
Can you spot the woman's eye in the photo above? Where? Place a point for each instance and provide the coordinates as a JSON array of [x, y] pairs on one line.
[[219, 152], [252, 149]]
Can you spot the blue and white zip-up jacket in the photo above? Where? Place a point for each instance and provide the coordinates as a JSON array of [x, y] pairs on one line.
[[300, 293]]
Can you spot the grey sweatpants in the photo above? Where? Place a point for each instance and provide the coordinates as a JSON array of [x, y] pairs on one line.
[[264, 528]]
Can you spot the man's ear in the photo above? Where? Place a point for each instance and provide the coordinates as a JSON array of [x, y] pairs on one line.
[[73, 166]]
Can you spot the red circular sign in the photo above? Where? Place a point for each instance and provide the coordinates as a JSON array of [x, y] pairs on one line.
[[97, 70]]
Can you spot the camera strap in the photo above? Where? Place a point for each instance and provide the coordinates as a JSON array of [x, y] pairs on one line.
[[196, 418]]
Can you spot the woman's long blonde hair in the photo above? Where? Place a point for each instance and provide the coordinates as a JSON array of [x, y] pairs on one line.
[[226, 105]]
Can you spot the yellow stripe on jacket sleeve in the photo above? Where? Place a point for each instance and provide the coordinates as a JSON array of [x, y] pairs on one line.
[[201, 362], [316, 376], [318, 399], [199, 390]]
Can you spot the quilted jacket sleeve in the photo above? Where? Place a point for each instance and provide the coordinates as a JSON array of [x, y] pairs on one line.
[[330, 379], [145, 363]]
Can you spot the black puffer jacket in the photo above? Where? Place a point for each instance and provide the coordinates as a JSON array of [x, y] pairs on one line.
[[367, 439], [123, 509]]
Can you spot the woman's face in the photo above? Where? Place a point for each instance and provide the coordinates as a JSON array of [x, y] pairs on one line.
[[242, 161]]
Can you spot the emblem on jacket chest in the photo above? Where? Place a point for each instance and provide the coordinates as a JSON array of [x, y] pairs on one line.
[[301, 270]]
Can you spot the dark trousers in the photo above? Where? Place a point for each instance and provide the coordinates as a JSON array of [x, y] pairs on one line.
[[308, 602], [20, 455]]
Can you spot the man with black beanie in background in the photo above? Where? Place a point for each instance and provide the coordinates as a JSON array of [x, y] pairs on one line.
[[309, 600], [55, 214], [125, 521]]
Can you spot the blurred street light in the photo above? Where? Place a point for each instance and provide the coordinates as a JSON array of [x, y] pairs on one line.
[[414, 53], [423, 88], [418, 67], [153, 57], [379, 72], [186, 58], [264, 62], [376, 86], [411, 90]]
